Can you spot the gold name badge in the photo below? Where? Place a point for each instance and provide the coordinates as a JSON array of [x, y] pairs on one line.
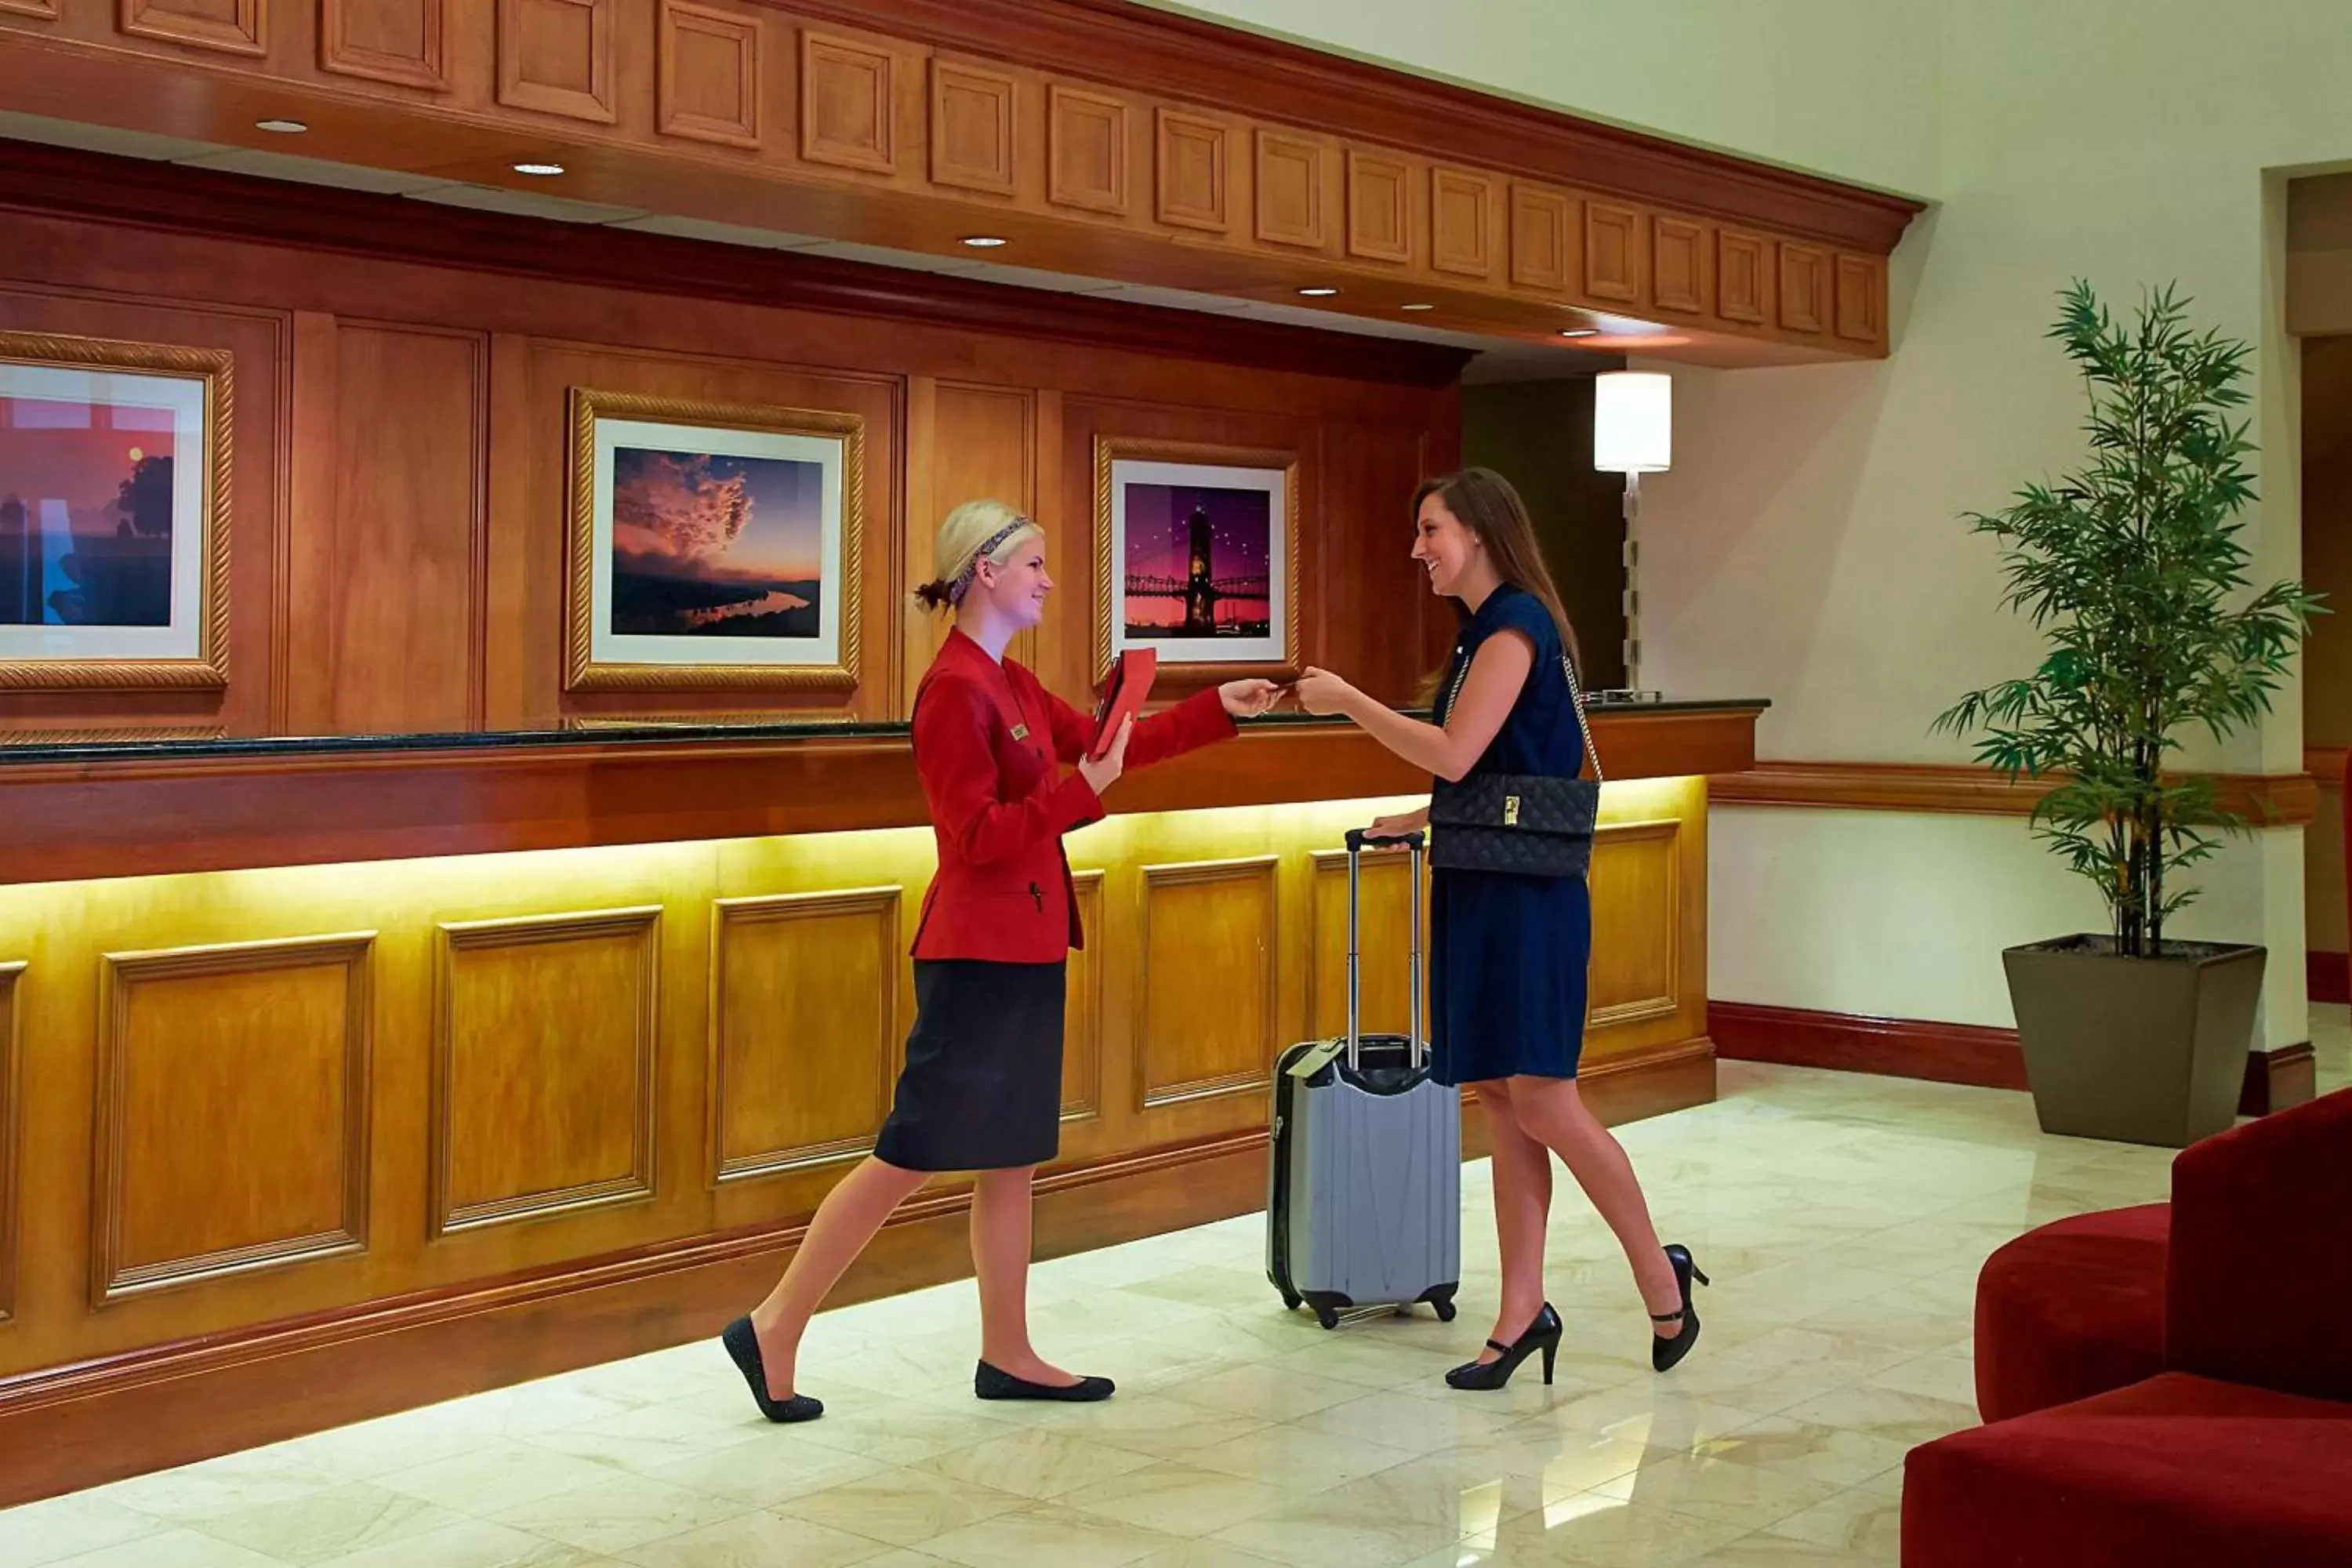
[[1510, 811], [1020, 731]]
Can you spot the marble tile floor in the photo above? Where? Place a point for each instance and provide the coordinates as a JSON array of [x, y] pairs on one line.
[[1842, 1219]]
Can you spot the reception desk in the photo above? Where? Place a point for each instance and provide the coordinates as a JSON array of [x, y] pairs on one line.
[[341, 1076]]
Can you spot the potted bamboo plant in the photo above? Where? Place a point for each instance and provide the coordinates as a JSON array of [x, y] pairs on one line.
[[2132, 570]]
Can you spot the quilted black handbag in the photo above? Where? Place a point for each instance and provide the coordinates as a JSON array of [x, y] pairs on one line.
[[1530, 825]]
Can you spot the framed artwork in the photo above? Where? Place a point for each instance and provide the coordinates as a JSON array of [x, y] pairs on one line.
[[1196, 555], [713, 546], [114, 506]]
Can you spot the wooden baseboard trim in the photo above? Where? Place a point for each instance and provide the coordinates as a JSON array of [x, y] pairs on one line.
[[1947, 1053], [2280, 1079], [2328, 976], [2266, 800], [1849, 1042]]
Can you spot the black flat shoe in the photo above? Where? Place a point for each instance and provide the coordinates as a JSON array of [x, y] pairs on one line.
[[1665, 1353], [743, 1350], [1543, 1334], [988, 1382]]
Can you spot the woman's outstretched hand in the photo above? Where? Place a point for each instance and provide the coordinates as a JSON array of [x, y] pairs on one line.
[[1248, 698], [1320, 692]]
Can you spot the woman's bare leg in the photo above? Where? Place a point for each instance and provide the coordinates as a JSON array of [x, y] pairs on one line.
[[1001, 1236], [1552, 1113], [844, 1223], [1522, 1176]]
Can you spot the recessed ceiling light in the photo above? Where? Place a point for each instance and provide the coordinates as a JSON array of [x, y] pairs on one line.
[[1416, 306], [282, 127], [1320, 291], [542, 169], [1580, 331], [984, 241]]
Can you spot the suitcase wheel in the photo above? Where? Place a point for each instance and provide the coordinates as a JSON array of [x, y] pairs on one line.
[[1444, 1311], [1326, 1316]]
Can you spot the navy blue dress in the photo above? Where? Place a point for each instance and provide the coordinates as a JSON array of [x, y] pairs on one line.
[[1507, 953]]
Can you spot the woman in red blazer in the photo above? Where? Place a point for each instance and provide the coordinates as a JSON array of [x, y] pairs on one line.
[[981, 1089]]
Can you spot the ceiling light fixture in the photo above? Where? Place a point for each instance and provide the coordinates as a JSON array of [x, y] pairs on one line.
[[1320, 291], [1580, 331], [1416, 306], [541, 171], [281, 127], [984, 241]]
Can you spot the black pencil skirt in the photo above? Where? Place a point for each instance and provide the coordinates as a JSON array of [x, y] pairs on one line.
[[981, 1089]]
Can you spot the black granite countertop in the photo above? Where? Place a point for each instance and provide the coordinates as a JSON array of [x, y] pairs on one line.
[[604, 735]]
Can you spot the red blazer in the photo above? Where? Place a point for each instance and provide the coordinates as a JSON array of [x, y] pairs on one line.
[[989, 742]]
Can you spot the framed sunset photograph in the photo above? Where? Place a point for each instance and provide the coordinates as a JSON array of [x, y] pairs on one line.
[[713, 545], [113, 515], [1196, 555]]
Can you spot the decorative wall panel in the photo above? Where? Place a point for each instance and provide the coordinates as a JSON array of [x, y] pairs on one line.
[[847, 91], [233, 1110], [711, 79], [971, 127], [543, 1065], [403, 42], [805, 1028], [1206, 1014], [555, 57]]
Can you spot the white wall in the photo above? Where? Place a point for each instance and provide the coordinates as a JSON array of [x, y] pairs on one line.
[[1840, 87], [1806, 547]]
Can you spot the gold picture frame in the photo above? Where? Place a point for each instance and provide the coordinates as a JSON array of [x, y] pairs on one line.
[[195, 389], [734, 432], [1120, 461]]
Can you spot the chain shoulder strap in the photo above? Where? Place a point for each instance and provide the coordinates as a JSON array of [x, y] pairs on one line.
[[1575, 697]]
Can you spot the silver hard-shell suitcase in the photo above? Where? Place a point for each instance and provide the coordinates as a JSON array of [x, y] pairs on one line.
[[1364, 1199]]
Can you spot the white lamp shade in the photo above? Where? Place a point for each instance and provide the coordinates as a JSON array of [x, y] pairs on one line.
[[1633, 422]]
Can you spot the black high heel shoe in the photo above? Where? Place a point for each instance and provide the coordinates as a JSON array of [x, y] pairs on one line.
[[743, 1349], [1543, 1334], [1665, 1353], [988, 1383]]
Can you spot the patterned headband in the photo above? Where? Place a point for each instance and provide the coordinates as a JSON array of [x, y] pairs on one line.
[[996, 542]]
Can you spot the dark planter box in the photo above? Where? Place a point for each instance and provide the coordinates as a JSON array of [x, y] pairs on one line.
[[2136, 1050]]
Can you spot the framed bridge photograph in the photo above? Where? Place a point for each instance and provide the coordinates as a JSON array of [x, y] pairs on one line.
[[1196, 556]]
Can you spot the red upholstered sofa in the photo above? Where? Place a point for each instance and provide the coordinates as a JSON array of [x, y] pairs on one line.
[[2240, 1448], [2072, 1309]]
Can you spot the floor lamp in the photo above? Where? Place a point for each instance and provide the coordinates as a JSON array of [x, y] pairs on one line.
[[1632, 434]]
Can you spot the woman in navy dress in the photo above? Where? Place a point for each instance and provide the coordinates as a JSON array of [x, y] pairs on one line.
[[1508, 953]]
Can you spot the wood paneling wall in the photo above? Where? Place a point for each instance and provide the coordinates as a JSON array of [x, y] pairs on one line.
[[473, 1118], [400, 471], [1091, 135]]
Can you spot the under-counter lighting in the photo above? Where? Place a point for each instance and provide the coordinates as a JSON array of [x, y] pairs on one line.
[[1580, 331], [281, 127], [982, 241], [1416, 306], [542, 171], [1319, 292]]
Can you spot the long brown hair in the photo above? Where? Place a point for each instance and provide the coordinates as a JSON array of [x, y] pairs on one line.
[[1485, 504]]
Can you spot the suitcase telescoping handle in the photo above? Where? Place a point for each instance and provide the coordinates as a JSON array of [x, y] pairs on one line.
[[1357, 841]]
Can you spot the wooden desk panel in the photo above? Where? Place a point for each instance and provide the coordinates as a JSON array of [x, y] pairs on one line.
[[455, 1207]]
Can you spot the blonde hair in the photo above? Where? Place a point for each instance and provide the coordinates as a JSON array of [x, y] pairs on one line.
[[975, 532]]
